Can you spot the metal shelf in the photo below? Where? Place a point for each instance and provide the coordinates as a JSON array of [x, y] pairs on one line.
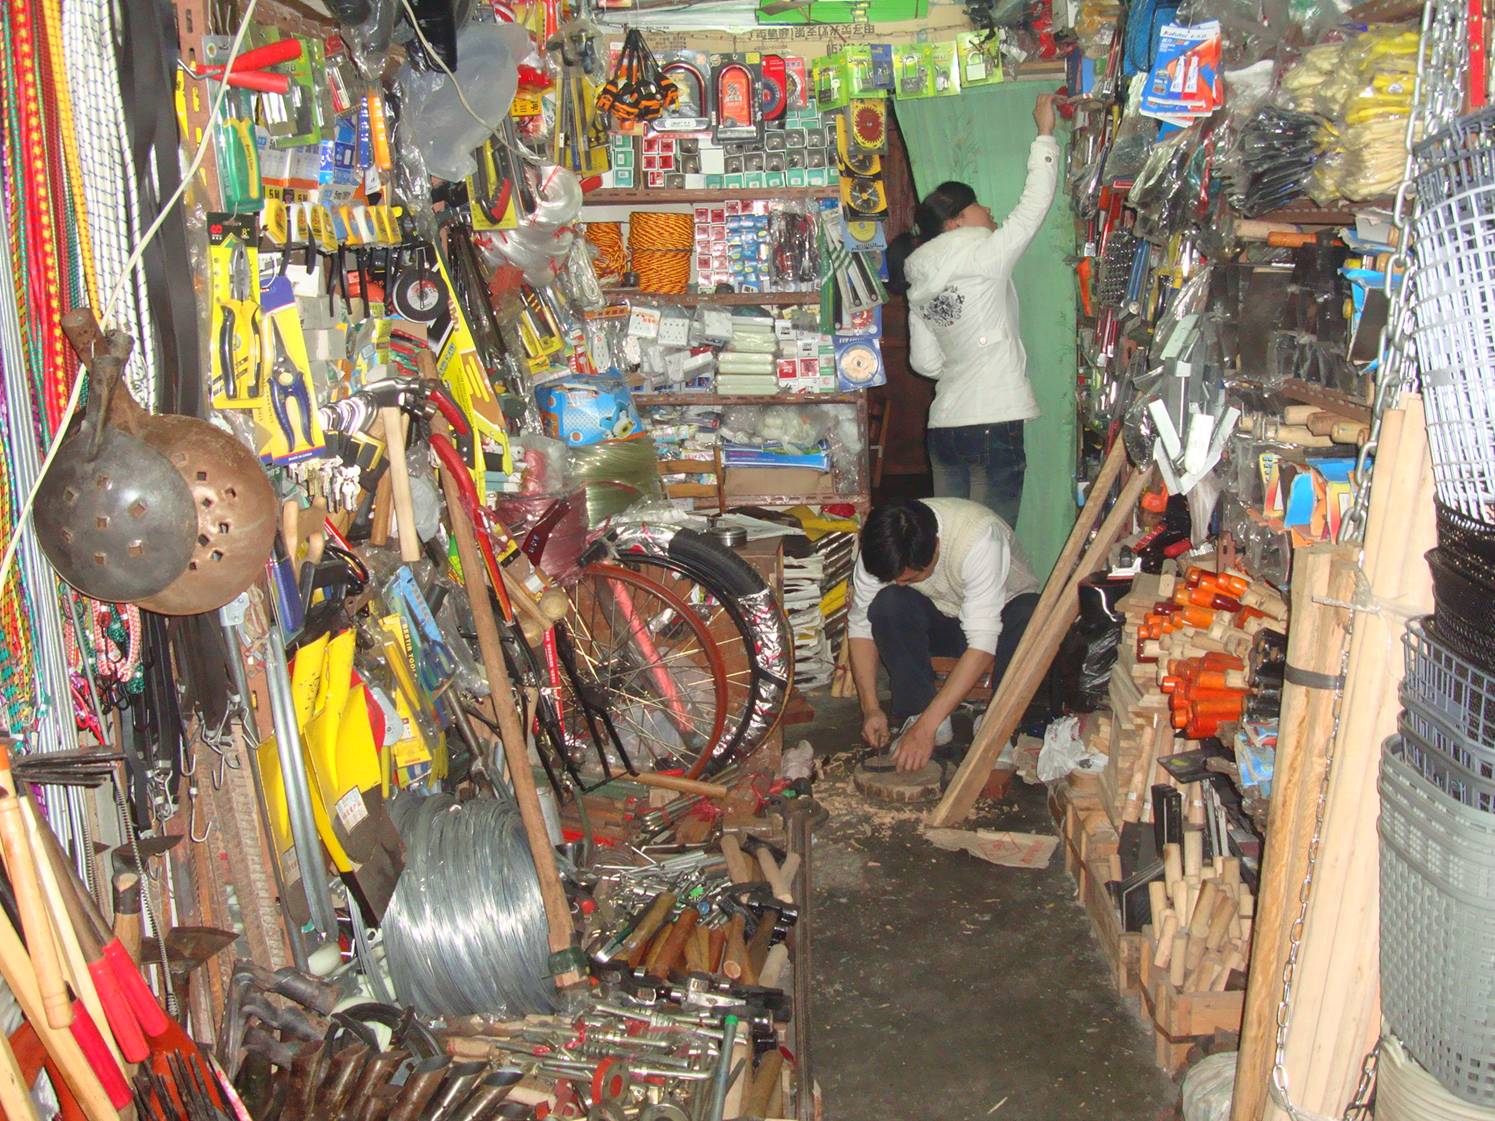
[[619, 196]]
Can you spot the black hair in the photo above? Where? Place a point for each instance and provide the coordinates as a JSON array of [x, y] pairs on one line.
[[941, 205], [899, 534]]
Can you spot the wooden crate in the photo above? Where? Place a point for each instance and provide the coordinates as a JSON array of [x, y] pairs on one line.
[[1181, 1019], [1090, 855]]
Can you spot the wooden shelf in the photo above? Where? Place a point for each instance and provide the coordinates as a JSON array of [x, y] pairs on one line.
[[1306, 213], [711, 400], [726, 299], [621, 196], [1331, 400], [861, 501]]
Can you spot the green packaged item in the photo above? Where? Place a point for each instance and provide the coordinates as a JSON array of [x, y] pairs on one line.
[[980, 56], [832, 83], [943, 68], [913, 72]]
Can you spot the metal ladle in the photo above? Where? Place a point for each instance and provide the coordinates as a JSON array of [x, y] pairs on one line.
[[112, 514]]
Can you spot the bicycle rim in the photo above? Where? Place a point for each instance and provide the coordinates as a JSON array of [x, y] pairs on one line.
[[644, 667], [727, 628]]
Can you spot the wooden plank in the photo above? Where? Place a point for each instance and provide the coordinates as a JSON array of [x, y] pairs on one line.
[[1056, 610], [1336, 1014], [725, 299], [615, 196], [1315, 643]]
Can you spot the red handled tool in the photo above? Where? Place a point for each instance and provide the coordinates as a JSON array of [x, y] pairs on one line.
[[249, 69]]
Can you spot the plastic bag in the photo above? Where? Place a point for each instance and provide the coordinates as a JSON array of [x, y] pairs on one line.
[[488, 72], [1208, 1087], [1065, 751], [804, 426]]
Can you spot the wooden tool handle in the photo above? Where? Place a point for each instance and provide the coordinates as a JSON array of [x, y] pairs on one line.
[[17, 969], [562, 934], [765, 1081], [646, 927], [757, 950], [80, 953], [674, 947], [29, 901], [734, 956], [738, 865], [127, 923], [15, 1096], [775, 876], [774, 964], [683, 785], [399, 480], [86, 916]]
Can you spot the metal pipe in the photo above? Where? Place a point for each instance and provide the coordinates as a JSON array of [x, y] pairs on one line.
[[717, 1102], [799, 842], [294, 781]]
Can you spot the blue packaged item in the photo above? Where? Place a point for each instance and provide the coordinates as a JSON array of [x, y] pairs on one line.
[[587, 410]]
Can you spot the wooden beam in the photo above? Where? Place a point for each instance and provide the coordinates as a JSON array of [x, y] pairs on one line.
[[1335, 1018], [1315, 643], [511, 728], [1057, 609]]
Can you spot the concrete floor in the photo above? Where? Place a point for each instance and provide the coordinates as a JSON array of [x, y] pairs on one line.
[[949, 987]]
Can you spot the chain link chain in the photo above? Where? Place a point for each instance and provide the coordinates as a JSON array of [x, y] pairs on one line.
[[1437, 99]]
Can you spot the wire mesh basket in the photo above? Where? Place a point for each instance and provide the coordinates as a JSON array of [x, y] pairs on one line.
[[1438, 928], [1464, 605], [1457, 531], [1467, 777], [1453, 296], [1450, 689]]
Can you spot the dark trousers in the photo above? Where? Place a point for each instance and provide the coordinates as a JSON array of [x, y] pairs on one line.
[[909, 630], [983, 462]]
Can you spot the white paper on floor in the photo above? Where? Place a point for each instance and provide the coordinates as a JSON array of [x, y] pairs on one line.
[[1012, 850]]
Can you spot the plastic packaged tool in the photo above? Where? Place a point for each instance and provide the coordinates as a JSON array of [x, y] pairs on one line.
[[1270, 159]]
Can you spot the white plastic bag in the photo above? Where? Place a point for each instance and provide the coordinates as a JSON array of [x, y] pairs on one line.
[[1064, 751]]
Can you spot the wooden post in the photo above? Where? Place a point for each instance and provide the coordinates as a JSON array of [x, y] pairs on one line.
[[511, 729], [1335, 1014], [1056, 610], [1315, 643]]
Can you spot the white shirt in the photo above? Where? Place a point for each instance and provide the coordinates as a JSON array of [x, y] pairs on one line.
[[963, 321], [994, 572]]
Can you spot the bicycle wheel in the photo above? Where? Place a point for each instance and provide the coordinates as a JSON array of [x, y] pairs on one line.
[[637, 672], [740, 611]]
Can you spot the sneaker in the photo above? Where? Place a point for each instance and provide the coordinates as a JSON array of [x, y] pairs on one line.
[[942, 735]]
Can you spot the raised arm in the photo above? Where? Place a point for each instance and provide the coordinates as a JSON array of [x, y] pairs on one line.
[[1021, 226]]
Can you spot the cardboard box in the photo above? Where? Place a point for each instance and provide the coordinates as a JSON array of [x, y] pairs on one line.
[[789, 481]]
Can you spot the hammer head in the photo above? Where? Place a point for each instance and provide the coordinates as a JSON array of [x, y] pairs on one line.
[[187, 947], [753, 845], [122, 857]]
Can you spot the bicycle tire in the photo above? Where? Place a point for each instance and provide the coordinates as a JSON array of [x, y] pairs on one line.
[[743, 598]]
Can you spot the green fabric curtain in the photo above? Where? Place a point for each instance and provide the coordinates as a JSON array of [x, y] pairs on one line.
[[982, 138]]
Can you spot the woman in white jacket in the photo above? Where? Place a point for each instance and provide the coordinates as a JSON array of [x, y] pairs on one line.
[[963, 327]]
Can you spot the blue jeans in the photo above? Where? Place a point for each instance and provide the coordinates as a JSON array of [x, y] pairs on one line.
[[982, 462], [909, 630]]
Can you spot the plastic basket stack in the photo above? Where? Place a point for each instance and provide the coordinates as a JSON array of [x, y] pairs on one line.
[[660, 245], [1453, 297], [1438, 868]]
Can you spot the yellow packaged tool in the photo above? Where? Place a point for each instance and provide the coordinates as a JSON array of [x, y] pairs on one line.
[[236, 360]]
